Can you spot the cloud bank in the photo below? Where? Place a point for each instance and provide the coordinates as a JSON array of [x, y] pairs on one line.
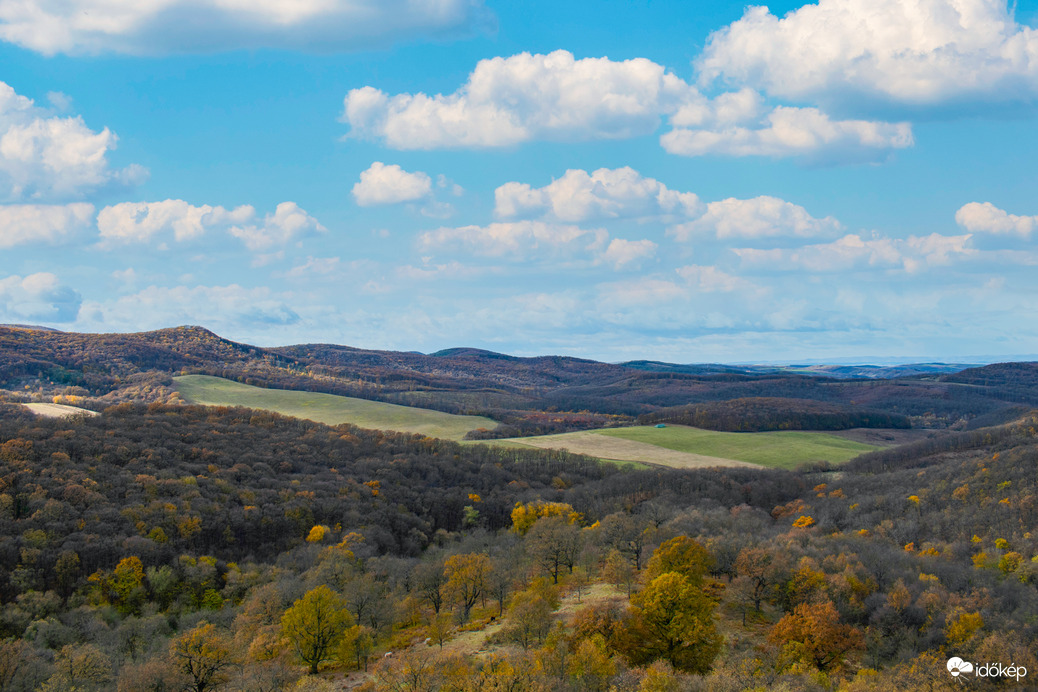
[[37, 297], [556, 97], [987, 218], [43, 157], [624, 193], [916, 52], [760, 217], [140, 222], [185, 26], [507, 101], [853, 252], [603, 194], [787, 131], [22, 224]]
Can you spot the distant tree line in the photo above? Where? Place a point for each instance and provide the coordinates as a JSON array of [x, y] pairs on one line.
[[756, 414]]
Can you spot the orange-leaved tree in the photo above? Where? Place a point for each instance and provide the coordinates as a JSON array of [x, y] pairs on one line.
[[813, 634]]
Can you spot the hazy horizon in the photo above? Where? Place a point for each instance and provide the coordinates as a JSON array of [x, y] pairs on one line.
[[852, 360]]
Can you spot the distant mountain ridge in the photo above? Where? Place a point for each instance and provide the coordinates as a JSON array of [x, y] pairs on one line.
[[822, 370], [30, 327], [542, 394]]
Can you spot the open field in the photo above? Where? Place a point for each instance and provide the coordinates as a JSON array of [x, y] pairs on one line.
[[609, 448], [328, 408], [886, 437], [58, 410], [784, 449], [679, 446]]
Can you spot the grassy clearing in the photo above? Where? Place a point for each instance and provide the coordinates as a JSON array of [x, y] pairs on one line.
[[328, 408], [784, 449], [58, 410], [622, 451]]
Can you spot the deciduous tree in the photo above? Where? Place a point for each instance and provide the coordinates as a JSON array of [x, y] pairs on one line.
[[554, 543], [682, 555], [314, 625], [813, 634], [204, 655], [467, 577], [672, 619]]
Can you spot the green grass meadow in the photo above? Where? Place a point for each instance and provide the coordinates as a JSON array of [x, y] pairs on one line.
[[328, 408], [784, 449]]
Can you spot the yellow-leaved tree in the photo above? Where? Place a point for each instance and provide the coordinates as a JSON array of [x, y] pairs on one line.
[[672, 619], [314, 625], [525, 515], [682, 555], [467, 578]]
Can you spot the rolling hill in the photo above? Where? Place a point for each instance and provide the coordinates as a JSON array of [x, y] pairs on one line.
[[329, 409], [527, 396]]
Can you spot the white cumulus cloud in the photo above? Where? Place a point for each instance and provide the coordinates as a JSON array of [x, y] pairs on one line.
[[47, 157], [624, 193], [545, 241], [604, 194], [985, 217], [142, 221], [37, 297], [382, 184], [287, 223], [507, 101], [49, 223], [157, 27], [903, 51], [138, 222], [788, 131], [759, 217]]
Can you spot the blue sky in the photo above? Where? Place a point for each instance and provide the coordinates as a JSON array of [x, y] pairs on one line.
[[614, 180]]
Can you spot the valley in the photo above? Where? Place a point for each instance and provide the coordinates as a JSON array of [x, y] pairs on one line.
[[673, 446]]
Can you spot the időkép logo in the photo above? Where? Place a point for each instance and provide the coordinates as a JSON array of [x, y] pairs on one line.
[[957, 667]]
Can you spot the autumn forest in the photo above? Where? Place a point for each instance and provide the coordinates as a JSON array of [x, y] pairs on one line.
[[164, 546]]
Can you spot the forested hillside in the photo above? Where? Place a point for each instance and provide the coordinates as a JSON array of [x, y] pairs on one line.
[[526, 395], [163, 547]]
